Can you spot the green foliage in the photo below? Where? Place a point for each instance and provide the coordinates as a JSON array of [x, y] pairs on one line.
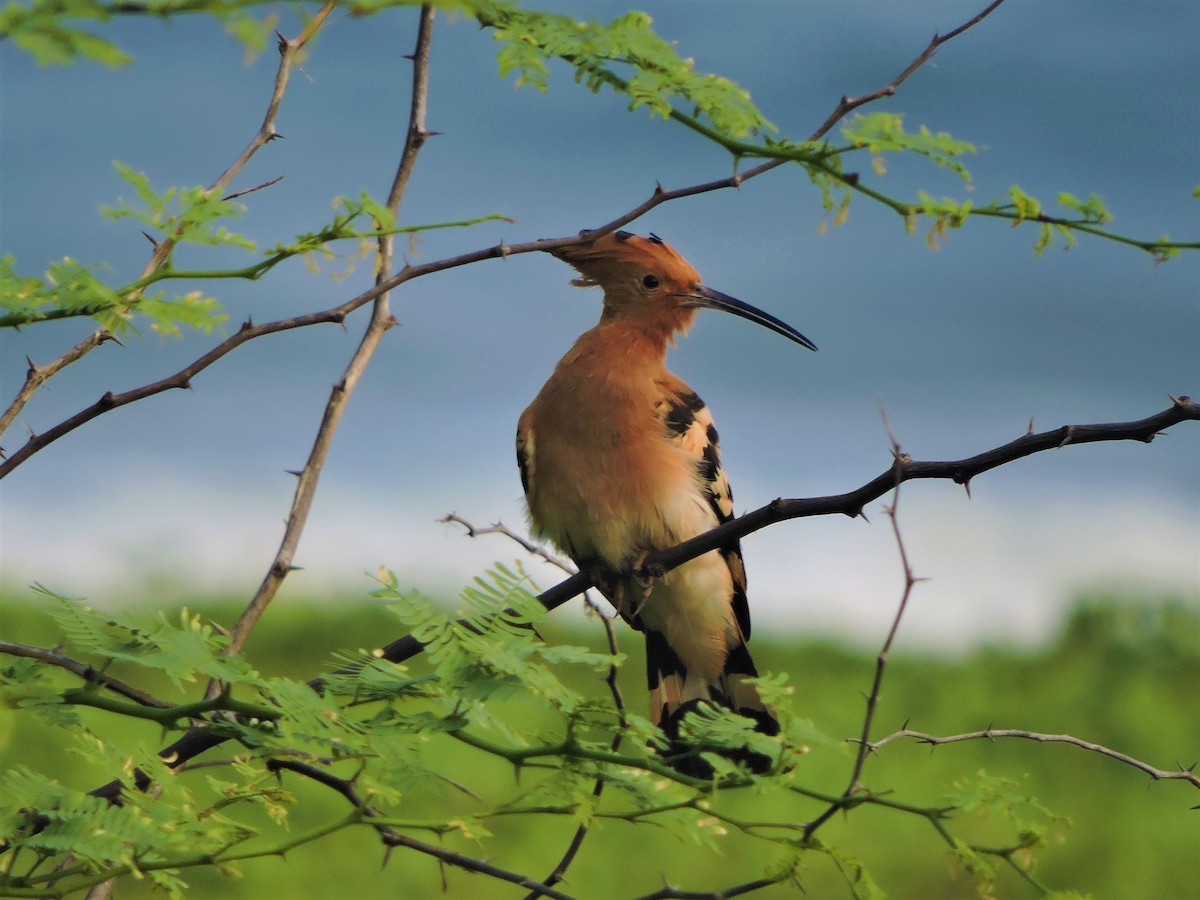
[[40, 29], [185, 651], [882, 132], [494, 737], [47, 29], [659, 77], [185, 215]]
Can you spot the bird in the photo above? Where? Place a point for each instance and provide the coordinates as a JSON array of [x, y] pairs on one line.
[[619, 457]]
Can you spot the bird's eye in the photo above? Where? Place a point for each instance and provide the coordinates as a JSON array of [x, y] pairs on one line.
[[650, 281]]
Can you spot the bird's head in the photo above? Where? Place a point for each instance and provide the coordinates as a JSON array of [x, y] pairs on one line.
[[647, 282]]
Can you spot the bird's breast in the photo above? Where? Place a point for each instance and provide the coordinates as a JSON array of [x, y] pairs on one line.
[[609, 482]]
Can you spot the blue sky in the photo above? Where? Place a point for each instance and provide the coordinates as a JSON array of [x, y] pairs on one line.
[[962, 347]]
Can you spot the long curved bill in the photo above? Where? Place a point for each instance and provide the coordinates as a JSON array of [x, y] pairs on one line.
[[706, 298]]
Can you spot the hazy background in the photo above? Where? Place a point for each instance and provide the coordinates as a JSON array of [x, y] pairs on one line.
[[963, 346]]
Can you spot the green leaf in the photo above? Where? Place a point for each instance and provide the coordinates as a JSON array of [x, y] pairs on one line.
[[185, 652], [881, 132]]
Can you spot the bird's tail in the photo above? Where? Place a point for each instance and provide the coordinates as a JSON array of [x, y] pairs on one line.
[[673, 694]]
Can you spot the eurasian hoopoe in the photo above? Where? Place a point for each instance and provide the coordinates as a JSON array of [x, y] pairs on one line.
[[619, 457]]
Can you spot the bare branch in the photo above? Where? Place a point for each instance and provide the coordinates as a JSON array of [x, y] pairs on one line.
[[961, 471], [848, 103], [289, 52], [381, 321], [180, 379], [674, 893], [257, 187], [1187, 774], [393, 838], [36, 376], [864, 747], [527, 545]]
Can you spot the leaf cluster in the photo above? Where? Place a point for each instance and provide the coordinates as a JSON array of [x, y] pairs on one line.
[[625, 55], [178, 216], [51, 32], [487, 690]]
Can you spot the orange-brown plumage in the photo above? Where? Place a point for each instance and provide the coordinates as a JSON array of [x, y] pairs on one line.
[[619, 457]]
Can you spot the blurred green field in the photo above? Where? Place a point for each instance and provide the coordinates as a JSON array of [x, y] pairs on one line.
[[1123, 673]]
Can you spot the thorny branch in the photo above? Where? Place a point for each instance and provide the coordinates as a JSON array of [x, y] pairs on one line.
[[36, 376], [903, 469], [393, 838], [338, 314], [1187, 774], [910, 581], [541, 552], [288, 53], [93, 676], [381, 321], [673, 893], [961, 471], [849, 104], [851, 503]]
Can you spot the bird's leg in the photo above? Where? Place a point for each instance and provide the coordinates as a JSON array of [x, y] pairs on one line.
[[643, 577]]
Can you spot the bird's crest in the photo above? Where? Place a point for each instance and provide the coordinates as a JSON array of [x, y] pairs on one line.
[[649, 286], [615, 257], [643, 278]]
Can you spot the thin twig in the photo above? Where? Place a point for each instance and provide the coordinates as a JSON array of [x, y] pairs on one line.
[[381, 321], [500, 251], [527, 545], [393, 838], [848, 103], [560, 870], [257, 187], [1187, 774], [192, 744], [864, 746], [36, 376], [289, 50]]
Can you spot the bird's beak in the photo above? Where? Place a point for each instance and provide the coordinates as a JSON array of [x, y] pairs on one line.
[[703, 297]]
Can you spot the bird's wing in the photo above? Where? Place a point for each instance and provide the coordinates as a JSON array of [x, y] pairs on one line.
[[525, 451], [689, 425]]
